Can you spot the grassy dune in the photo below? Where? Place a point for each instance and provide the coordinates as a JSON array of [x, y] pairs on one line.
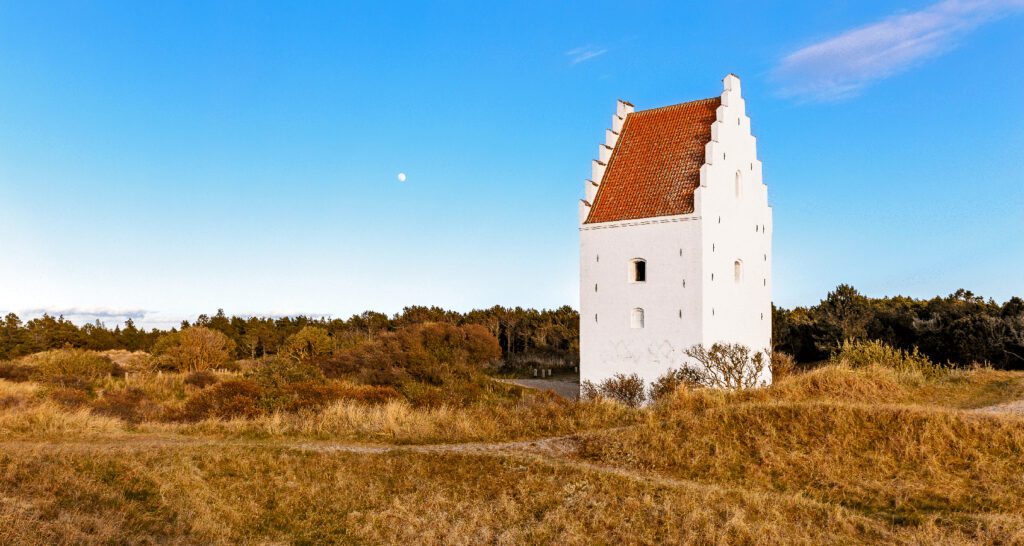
[[836, 455]]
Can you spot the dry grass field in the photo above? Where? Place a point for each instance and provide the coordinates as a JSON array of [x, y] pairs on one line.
[[849, 453]]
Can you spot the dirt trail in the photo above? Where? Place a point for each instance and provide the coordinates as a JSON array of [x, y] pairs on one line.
[[555, 446], [1014, 407], [556, 451]]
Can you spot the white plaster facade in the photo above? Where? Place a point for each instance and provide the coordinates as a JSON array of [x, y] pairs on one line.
[[708, 273]]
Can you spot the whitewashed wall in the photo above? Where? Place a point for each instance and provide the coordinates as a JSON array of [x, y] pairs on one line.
[[670, 297]]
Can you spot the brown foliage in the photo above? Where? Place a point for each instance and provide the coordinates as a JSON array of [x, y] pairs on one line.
[[369, 394], [277, 372], [130, 404], [225, 400], [201, 379], [781, 365], [69, 397], [14, 372]]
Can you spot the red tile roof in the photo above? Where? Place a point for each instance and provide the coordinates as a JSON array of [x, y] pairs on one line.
[[655, 166]]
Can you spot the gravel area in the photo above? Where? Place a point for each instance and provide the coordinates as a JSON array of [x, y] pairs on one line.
[[564, 388]]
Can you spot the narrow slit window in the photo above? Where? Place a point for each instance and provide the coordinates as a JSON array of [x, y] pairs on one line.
[[636, 318], [737, 269], [739, 184]]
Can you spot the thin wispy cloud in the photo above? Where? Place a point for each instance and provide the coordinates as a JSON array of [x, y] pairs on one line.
[[584, 53], [843, 65], [78, 314]]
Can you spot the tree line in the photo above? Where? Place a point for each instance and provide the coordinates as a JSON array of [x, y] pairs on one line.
[[961, 328], [523, 334]]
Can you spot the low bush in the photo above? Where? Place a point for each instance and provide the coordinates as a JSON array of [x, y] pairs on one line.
[[14, 372], [781, 365], [671, 381], [201, 379], [130, 404], [860, 354], [283, 386], [298, 397], [69, 365], [278, 372], [69, 397], [370, 394], [193, 349], [225, 400]]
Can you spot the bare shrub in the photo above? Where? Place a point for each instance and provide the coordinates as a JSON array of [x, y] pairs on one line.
[[727, 366], [622, 388], [201, 379]]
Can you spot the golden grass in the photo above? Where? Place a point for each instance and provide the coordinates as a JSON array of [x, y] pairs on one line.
[[236, 495], [838, 455], [24, 412], [400, 423], [840, 436]]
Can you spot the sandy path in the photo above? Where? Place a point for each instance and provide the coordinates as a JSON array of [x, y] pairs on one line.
[[1014, 407], [551, 446], [557, 451]]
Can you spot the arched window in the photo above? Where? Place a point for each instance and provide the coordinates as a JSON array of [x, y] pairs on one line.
[[636, 318], [739, 184], [638, 270], [737, 268]]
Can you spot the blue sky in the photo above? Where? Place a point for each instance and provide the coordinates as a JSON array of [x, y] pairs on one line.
[[161, 160]]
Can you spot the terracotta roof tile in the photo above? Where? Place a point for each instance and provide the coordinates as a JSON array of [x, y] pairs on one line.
[[655, 166]]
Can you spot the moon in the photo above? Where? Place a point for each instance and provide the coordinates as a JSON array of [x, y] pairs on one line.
[[401, 177]]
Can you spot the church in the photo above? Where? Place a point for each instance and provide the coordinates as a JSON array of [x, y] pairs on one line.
[[675, 238]]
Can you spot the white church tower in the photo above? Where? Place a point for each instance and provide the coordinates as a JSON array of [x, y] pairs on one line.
[[675, 238]]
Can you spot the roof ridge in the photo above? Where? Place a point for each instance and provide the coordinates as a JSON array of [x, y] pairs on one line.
[[687, 103]]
